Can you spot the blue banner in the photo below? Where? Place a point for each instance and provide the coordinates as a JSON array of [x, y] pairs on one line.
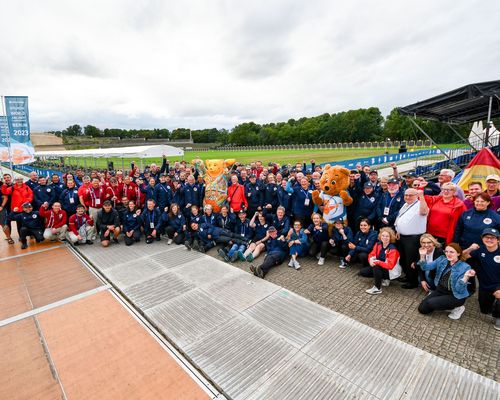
[[16, 108], [384, 158], [4, 140]]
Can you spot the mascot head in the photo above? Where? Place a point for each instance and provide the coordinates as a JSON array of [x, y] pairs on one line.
[[334, 179], [217, 167]]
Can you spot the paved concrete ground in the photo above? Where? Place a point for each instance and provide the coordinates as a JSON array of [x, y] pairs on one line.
[[470, 342], [257, 340]]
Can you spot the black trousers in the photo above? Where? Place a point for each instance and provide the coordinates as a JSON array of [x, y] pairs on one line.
[[377, 272], [408, 246], [179, 239], [136, 237], [36, 233], [439, 301], [488, 303], [341, 250], [360, 257], [270, 261], [321, 248]]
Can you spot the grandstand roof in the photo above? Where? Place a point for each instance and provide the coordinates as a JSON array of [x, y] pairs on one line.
[[466, 104], [120, 152]]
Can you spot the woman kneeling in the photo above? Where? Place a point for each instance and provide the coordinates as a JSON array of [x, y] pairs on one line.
[[451, 280], [383, 258]]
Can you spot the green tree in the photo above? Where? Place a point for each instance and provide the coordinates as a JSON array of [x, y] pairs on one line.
[[91, 130]]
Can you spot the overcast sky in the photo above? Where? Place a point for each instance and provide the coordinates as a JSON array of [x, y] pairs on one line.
[[212, 63]]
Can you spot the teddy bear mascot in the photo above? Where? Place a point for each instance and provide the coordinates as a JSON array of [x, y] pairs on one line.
[[333, 196], [215, 174]]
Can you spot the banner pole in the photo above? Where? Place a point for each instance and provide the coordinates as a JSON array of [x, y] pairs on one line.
[[8, 135]]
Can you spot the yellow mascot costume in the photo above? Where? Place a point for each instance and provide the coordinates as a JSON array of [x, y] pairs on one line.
[[215, 175]]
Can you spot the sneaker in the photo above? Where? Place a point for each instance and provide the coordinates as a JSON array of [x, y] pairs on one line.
[[321, 261], [24, 246], [250, 257], [187, 244], [296, 264], [115, 240], [290, 264], [497, 324], [259, 271], [222, 253], [89, 242], [195, 245], [457, 312], [202, 249], [343, 264], [169, 241], [386, 282], [241, 256], [234, 257], [373, 290]]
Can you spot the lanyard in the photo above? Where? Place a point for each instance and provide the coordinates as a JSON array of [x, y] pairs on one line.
[[80, 221], [151, 216], [392, 199], [305, 192], [92, 193], [408, 209]]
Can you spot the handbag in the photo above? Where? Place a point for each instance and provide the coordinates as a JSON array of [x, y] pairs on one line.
[[396, 271]]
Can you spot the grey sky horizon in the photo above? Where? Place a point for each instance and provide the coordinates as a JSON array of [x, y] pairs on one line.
[[198, 64]]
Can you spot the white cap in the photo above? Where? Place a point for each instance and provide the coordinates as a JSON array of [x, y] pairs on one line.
[[493, 177]]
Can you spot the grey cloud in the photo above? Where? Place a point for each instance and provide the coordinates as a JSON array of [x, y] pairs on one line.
[[77, 60], [259, 45]]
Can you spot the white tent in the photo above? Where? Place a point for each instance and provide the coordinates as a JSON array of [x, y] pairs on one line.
[[153, 151], [478, 134]]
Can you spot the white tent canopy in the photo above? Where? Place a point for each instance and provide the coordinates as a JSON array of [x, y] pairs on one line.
[[153, 151]]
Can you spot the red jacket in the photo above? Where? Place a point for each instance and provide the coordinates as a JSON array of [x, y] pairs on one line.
[[95, 197], [391, 256], [443, 217], [236, 197], [114, 191], [82, 192], [53, 220], [130, 191], [75, 222], [18, 196]]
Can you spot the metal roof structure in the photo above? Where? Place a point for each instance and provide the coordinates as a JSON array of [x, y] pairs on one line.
[[459, 106]]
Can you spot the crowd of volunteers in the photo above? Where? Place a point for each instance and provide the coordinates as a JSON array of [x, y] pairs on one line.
[[423, 234]]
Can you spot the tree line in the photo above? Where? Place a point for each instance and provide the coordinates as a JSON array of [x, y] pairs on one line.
[[362, 125]]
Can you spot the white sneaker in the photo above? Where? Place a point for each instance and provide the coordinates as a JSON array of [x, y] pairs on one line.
[[296, 264], [457, 312], [291, 263], [497, 324], [373, 290], [342, 264], [386, 282], [169, 241], [321, 261]]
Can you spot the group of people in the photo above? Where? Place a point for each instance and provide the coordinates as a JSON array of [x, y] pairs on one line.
[[420, 233]]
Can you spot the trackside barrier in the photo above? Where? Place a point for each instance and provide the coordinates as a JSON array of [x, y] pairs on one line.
[[385, 158], [40, 171]]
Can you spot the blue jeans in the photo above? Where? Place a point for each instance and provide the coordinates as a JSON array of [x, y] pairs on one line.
[[235, 248]]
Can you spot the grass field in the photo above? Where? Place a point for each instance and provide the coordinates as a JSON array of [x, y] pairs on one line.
[[245, 157]]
